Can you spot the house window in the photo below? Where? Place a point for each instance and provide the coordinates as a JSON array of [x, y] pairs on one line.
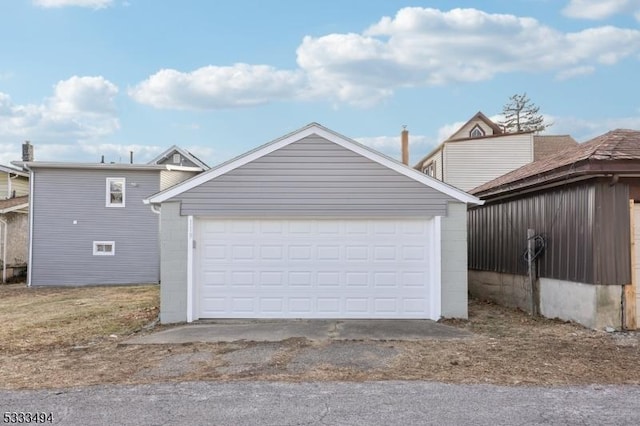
[[104, 248], [115, 192], [476, 132], [176, 158], [430, 169]]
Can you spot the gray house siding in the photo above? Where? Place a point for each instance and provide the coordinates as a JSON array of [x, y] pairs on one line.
[[62, 252], [313, 178]]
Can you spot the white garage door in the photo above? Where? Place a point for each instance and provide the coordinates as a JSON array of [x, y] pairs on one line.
[[315, 269]]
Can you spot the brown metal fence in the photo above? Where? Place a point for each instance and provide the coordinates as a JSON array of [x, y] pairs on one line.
[[585, 229]]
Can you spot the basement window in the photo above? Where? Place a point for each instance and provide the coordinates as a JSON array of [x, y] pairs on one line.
[[115, 192], [104, 248]]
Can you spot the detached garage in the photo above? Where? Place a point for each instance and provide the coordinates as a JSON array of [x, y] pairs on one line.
[[312, 225]]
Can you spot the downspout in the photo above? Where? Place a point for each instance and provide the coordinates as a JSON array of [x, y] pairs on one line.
[[442, 161], [32, 179], [9, 186], [4, 250]]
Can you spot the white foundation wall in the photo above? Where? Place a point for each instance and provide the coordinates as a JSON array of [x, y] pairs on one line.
[[594, 306]]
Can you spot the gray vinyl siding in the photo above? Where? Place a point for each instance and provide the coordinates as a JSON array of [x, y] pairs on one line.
[[313, 178], [169, 178], [63, 252]]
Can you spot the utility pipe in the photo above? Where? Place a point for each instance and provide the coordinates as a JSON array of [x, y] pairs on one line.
[[4, 250]]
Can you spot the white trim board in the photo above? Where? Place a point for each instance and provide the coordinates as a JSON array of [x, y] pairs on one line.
[[314, 129]]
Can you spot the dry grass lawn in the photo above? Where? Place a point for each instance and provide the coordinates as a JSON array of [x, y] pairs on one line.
[[72, 337], [41, 319]]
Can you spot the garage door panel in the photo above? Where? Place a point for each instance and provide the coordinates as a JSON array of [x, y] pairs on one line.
[[313, 269]]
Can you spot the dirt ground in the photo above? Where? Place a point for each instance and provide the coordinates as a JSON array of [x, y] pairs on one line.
[[52, 338]]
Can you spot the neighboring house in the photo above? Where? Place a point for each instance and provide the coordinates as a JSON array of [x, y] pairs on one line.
[[14, 204], [88, 224], [177, 156], [581, 202], [312, 225], [480, 151]]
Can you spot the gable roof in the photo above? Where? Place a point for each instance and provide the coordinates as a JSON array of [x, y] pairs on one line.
[[18, 172], [176, 149], [478, 116], [546, 145], [610, 152], [319, 130]]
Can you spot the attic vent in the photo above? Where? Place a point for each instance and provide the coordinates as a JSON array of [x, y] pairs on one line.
[[176, 158], [476, 132]]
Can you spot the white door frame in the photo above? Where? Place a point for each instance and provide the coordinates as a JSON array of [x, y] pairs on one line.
[[193, 274]]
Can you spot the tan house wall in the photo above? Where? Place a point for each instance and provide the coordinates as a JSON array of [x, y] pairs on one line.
[[18, 184], [471, 163]]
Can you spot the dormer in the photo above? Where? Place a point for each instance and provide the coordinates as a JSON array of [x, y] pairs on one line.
[[176, 156], [478, 126]]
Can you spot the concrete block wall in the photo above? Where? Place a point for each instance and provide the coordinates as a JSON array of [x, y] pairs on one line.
[[454, 261], [505, 289], [173, 270], [594, 306]]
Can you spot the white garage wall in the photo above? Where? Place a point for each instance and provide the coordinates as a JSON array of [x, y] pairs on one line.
[[173, 264], [173, 304], [454, 262]]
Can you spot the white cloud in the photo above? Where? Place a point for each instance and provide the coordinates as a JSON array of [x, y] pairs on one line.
[[81, 108], [93, 4], [584, 129], [214, 87], [417, 47], [599, 9], [575, 72]]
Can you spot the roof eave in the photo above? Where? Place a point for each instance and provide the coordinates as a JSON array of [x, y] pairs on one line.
[[317, 129]]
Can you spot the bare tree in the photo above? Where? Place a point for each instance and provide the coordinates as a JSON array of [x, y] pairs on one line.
[[522, 115]]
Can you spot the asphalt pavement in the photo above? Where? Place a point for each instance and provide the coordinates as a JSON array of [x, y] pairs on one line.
[[329, 403]]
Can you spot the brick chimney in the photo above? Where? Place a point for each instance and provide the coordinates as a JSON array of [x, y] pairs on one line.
[[404, 138], [27, 151]]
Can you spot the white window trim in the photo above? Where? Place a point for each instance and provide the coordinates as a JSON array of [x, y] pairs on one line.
[[478, 129], [108, 202], [104, 253], [176, 158], [430, 169]]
